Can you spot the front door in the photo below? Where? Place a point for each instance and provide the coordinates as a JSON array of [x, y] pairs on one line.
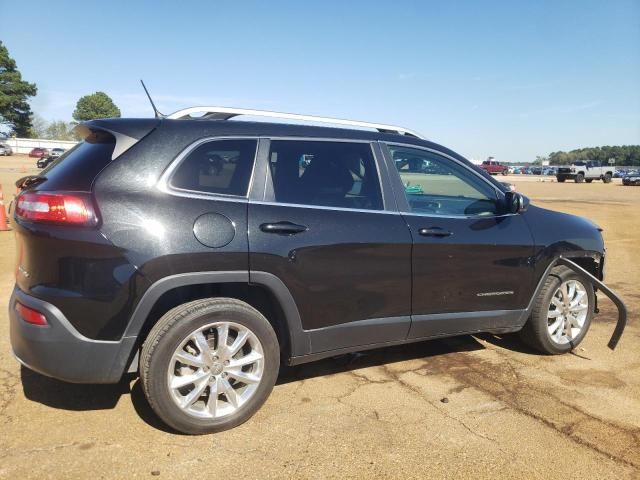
[[471, 263]]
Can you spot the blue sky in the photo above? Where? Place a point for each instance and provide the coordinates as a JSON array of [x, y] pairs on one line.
[[512, 79]]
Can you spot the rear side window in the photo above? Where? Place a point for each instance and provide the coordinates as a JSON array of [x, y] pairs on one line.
[[332, 174], [218, 166], [76, 168]]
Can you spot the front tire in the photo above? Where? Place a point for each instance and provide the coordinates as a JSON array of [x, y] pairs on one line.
[[607, 178], [209, 365], [562, 313], [580, 178]]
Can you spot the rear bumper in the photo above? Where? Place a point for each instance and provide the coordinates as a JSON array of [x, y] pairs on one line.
[[59, 351]]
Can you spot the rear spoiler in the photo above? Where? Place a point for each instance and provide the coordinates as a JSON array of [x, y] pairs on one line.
[[127, 132], [622, 309]]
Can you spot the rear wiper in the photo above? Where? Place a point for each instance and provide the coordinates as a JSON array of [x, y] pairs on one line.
[[29, 181]]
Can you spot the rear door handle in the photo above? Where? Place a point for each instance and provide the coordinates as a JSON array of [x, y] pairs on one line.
[[434, 232], [283, 228]]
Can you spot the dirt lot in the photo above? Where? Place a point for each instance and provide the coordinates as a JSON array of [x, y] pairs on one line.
[[481, 407]]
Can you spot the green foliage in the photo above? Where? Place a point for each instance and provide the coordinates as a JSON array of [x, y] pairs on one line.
[[55, 130], [38, 127], [97, 105], [14, 93], [623, 155], [59, 130]]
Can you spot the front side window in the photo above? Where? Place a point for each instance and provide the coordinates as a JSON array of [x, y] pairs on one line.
[[331, 174], [434, 184], [218, 166]]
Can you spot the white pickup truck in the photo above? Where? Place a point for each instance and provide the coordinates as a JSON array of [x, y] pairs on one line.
[[585, 171]]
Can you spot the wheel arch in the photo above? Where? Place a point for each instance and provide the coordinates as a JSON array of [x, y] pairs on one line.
[[265, 292], [579, 262]]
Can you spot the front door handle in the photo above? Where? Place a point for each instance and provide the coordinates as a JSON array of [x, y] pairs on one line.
[[283, 228], [434, 232]]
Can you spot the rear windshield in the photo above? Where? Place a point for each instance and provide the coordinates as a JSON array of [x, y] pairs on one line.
[[76, 168]]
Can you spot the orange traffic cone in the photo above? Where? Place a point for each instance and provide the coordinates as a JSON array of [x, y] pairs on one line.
[[3, 213]]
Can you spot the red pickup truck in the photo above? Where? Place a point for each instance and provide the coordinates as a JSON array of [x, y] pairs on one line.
[[494, 168]]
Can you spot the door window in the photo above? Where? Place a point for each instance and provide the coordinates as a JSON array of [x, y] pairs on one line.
[[218, 166], [331, 174], [436, 185]]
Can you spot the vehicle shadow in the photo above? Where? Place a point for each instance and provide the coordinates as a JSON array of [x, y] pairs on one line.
[[75, 397], [508, 341], [68, 396], [377, 357]]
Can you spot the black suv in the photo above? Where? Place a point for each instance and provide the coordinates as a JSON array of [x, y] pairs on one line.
[[205, 252]]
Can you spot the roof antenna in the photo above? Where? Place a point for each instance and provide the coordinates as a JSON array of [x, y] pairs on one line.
[[156, 113]]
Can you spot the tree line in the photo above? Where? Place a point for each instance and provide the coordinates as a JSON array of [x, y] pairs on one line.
[[16, 114], [623, 155]]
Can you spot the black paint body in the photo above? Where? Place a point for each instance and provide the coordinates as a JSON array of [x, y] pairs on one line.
[[352, 279]]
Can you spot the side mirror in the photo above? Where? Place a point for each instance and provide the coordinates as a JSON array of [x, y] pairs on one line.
[[515, 202]]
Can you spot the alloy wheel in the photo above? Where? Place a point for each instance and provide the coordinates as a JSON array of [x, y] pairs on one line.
[[567, 312], [215, 370]]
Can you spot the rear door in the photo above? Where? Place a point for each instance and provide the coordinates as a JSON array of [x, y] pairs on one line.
[[328, 228], [471, 263]]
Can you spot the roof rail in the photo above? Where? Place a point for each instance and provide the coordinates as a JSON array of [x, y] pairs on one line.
[[225, 113]]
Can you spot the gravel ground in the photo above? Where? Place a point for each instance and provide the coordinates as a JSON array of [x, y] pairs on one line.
[[467, 407]]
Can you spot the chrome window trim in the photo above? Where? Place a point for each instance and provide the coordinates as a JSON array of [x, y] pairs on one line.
[[324, 207], [376, 162], [164, 183], [460, 217]]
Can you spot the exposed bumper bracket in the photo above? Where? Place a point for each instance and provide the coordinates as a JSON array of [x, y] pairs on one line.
[[622, 309]]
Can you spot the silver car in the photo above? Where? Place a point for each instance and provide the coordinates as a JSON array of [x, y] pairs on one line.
[[56, 152], [5, 149]]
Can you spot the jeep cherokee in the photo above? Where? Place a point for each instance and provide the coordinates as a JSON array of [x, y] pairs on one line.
[[204, 252]]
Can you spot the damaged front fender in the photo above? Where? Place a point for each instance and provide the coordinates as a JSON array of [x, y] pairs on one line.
[[622, 309]]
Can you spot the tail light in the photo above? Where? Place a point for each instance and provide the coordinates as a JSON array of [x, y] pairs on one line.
[[30, 315], [60, 208]]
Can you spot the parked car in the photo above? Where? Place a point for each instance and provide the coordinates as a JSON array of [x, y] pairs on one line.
[[43, 162], [494, 168], [5, 150], [39, 152], [631, 178], [585, 171], [56, 152], [134, 255]]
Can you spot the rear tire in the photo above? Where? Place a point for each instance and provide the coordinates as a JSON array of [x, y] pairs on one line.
[[580, 178], [190, 374], [607, 178], [561, 179], [556, 325]]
